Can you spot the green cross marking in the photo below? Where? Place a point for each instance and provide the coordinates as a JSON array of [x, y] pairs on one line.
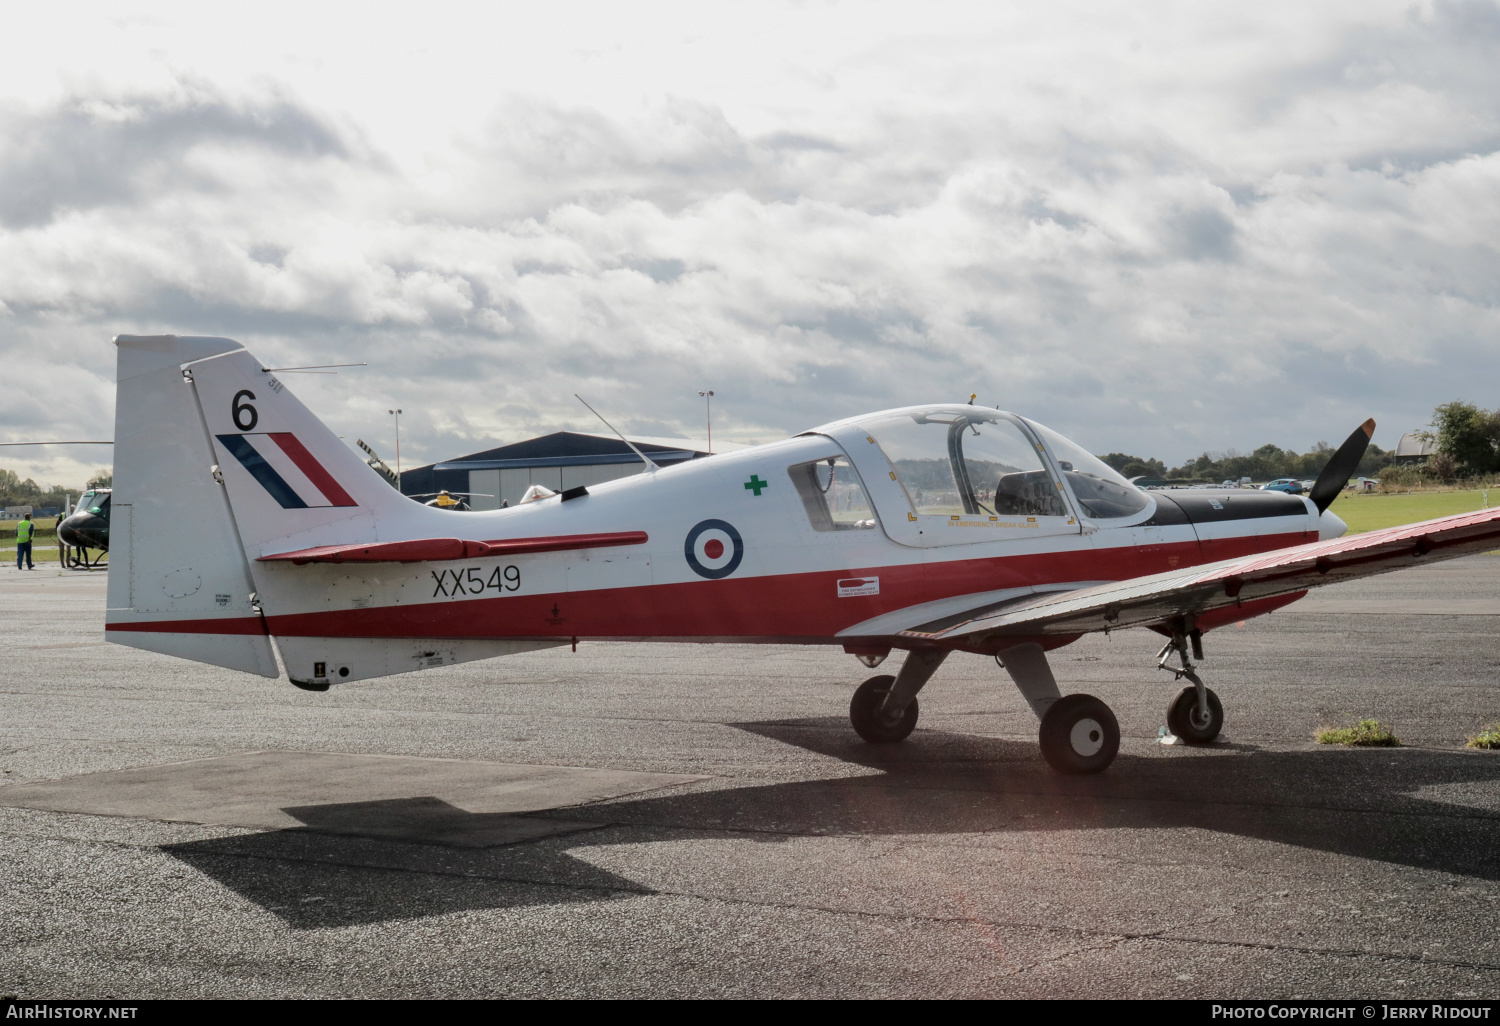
[[755, 484]]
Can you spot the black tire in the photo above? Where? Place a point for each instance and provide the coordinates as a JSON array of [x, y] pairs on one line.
[[1079, 734], [869, 723], [1184, 721]]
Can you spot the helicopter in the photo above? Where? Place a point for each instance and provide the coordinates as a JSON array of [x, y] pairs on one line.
[[929, 530], [85, 527]]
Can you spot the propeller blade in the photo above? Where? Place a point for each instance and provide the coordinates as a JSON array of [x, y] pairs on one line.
[[1341, 467]]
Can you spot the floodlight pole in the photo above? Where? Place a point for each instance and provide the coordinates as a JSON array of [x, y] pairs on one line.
[[397, 415], [708, 413]]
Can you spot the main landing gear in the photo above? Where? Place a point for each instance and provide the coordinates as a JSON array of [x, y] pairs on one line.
[[1078, 733], [884, 708], [871, 719]]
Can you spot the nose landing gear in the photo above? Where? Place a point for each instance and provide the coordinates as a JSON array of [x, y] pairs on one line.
[[1196, 714], [1187, 720]]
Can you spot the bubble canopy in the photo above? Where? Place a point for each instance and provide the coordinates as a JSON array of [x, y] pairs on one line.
[[970, 461]]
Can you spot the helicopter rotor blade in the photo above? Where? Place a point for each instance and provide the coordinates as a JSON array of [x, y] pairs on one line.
[[1341, 466]]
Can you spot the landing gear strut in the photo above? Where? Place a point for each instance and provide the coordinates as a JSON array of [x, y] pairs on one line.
[[1195, 715], [1078, 733]]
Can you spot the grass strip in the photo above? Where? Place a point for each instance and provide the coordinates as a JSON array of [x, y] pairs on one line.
[[1489, 737], [1364, 734]]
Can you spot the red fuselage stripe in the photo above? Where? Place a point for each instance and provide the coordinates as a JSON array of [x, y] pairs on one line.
[[236, 625], [785, 606], [309, 465], [780, 606]]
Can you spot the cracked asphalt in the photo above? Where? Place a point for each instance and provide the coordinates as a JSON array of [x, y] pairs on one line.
[[800, 862]]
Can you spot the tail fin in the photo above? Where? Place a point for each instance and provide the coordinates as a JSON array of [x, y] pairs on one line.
[[216, 464], [291, 482], [179, 582]]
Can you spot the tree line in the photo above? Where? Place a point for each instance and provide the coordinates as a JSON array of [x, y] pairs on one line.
[[1263, 464], [1467, 440], [17, 492]]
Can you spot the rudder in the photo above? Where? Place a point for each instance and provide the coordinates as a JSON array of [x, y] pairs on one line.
[[179, 582]]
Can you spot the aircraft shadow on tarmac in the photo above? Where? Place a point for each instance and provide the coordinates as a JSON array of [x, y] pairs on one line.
[[303, 874], [1353, 803], [1358, 802]]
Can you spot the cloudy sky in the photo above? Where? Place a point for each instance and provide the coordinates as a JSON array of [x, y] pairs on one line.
[[1158, 228]]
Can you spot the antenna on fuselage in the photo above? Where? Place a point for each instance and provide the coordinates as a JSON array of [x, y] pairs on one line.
[[607, 424], [312, 368]]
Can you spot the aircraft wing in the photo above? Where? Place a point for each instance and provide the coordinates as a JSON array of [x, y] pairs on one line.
[[1223, 588]]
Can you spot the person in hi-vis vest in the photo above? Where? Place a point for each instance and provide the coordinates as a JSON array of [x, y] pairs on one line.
[[24, 530]]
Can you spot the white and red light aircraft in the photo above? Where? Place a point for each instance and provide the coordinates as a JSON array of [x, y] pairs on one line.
[[929, 529]]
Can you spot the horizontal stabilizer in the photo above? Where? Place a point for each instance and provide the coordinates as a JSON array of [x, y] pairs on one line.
[[431, 550]]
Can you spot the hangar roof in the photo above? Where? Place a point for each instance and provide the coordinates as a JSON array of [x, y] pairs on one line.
[[1413, 444], [570, 448]]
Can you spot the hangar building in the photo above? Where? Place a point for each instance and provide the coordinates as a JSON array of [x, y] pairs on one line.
[[1415, 447], [563, 459]]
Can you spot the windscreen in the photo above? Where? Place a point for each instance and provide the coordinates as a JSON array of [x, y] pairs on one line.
[[1101, 492], [967, 464]]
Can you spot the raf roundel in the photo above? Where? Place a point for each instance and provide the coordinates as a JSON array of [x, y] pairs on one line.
[[714, 549]]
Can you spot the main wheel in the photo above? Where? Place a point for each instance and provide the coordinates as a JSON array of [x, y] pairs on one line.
[[870, 723], [1079, 735], [1184, 719]]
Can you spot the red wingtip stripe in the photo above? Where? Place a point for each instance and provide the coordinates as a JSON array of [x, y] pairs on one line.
[[309, 465]]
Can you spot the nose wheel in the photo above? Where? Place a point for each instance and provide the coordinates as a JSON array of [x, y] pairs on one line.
[[1195, 715], [1079, 734], [1187, 720]]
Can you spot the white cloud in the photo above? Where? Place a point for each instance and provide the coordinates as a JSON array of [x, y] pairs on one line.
[[1156, 234]]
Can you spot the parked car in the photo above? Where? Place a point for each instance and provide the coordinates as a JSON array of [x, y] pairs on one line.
[[1290, 485]]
